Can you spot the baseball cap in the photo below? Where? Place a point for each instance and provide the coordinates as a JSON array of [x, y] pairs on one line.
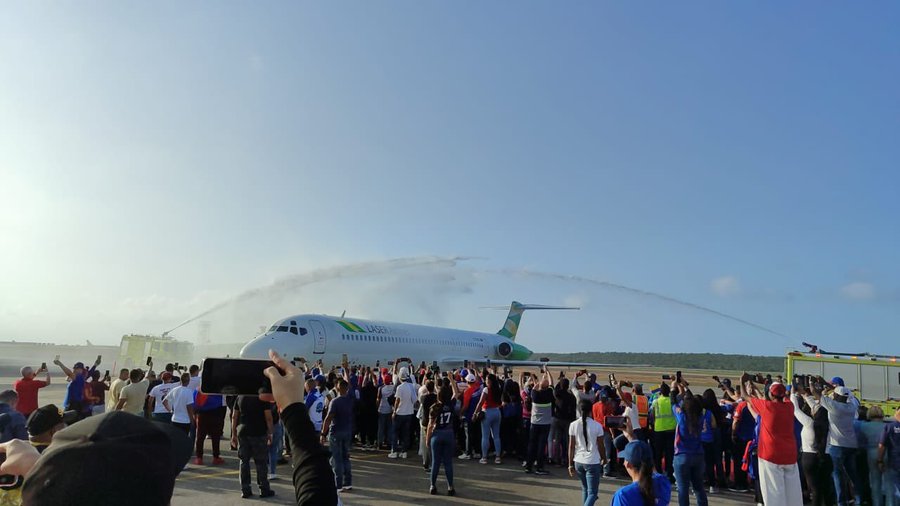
[[726, 382], [777, 390], [470, 378], [147, 456], [166, 377], [837, 380], [43, 419], [78, 365], [637, 453], [842, 390]]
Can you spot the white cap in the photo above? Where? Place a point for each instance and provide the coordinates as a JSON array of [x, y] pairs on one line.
[[844, 391], [404, 372], [470, 378]]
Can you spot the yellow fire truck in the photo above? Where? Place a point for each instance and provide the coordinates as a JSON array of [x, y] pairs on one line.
[[134, 350], [875, 379]]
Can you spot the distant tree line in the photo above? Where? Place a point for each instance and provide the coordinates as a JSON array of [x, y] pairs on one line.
[[675, 361]]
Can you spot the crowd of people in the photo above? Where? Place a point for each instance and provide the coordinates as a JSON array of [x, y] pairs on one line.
[[787, 442]]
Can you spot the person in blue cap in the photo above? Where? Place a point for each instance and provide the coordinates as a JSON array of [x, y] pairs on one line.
[[647, 487]]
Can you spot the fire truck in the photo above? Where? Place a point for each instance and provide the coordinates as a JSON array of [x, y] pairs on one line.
[[874, 379]]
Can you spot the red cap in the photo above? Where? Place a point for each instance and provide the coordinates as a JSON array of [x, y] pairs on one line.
[[777, 390]]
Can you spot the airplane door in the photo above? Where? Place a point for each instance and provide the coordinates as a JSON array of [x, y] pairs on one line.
[[318, 336]]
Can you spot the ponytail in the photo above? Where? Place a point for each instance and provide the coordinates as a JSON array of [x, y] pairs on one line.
[[585, 414], [645, 484]]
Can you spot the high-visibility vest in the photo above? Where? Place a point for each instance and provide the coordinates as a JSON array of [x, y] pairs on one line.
[[642, 408], [663, 418]]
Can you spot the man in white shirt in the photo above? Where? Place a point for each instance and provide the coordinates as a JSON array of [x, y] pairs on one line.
[[158, 394], [180, 401], [195, 377], [842, 442], [406, 396]]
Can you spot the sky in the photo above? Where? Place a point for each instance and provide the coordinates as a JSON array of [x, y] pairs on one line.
[[159, 159]]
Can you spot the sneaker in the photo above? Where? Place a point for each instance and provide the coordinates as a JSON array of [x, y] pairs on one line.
[[737, 489], [346, 488], [218, 461], [541, 472], [524, 463], [246, 494], [273, 476], [497, 461], [465, 456], [393, 455], [529, 470], [266, 493], [476, 456], [713, 490], [198, 461], [402, 455], [451, 491], [432, 490], [482, 461]]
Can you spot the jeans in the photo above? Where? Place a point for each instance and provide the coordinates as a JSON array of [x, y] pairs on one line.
[[878, 482], [276, 446], [817, 471], [890, 481], [537, 445], [844, 460], [254, 447], [424, 452], [443, 446], [609, 468], [689, 468], [402, 428], [385, 429], [590, 482], [664, 446], [339, 444], [490, 427]]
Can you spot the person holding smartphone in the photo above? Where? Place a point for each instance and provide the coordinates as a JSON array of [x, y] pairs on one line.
[[27, 387]]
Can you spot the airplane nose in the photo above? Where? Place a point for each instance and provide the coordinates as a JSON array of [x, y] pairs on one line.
[[257, 348]]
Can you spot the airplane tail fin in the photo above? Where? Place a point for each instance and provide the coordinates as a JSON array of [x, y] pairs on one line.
[[515, 316]]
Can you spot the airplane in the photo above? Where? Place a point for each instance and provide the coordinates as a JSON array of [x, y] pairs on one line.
[[367, 341]]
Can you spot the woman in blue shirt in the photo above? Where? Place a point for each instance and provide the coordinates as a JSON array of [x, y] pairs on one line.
[[647, 488], [689, 458]]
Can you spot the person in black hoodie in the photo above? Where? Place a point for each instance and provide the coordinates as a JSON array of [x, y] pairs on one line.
[[564, 413]]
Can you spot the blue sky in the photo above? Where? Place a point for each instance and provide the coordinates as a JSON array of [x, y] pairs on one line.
[[155, 160]]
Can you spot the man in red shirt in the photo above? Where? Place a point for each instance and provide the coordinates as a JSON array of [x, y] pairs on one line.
[[779, 476], [27, 387]]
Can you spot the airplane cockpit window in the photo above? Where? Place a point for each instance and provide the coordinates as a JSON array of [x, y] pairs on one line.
[[293, 330], [282, 328], [302, 331]]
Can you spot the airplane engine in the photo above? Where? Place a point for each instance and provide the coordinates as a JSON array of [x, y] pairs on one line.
[[504, 349]]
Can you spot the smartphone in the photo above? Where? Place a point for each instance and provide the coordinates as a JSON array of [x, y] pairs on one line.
[[678, 375], [99, 357], [149, 361], [615, 422], [43, 366], [667, 376], [235, 376], [107, 374]]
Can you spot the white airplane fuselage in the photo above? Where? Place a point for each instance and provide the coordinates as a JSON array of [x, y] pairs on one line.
[[366, 341]]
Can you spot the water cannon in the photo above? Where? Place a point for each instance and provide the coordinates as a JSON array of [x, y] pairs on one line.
[[812, 347]]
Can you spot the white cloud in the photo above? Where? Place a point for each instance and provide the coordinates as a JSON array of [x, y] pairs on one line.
[[858, 290], [725, 286]]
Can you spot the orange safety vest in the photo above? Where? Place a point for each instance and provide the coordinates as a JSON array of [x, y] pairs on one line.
[[643, 408]]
